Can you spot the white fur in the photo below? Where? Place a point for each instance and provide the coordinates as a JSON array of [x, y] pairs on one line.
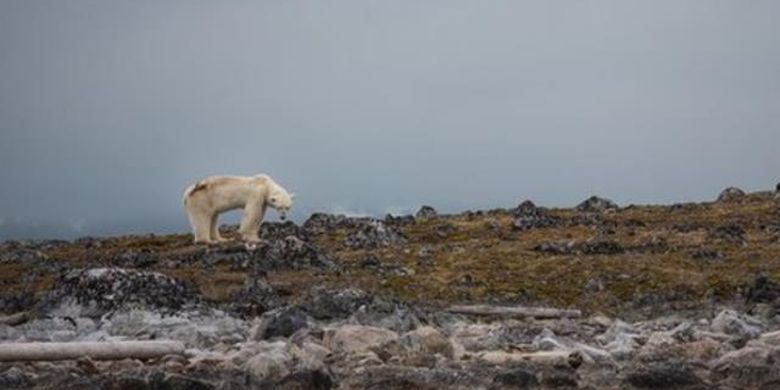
[[208, 198]]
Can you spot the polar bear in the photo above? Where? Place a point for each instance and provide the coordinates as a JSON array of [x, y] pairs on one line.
[[208, 198]]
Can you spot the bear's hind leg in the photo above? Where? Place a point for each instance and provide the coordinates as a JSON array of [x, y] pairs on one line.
[[214, 229]]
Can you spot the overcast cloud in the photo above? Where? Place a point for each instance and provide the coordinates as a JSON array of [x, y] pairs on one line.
[[108, 109]]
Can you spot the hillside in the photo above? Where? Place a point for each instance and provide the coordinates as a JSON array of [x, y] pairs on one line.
[[640, 264]]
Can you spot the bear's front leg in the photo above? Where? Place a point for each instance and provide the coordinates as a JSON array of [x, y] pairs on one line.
[[250, 223]]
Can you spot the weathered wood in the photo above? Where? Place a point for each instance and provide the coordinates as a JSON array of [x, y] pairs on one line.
[[114, 350], [514, 311], [15, 319], [553, 358]]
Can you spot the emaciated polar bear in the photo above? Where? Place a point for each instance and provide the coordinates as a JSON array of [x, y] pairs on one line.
[[214, 195]]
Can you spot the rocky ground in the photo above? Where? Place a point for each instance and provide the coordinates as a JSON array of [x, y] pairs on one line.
[[678, 296]]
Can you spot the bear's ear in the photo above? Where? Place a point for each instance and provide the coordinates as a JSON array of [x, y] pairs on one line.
[[292, 195]]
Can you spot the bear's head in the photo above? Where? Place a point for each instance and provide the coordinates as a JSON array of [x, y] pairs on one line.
[[281, 200]]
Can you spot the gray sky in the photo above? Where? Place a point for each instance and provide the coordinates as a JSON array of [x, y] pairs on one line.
[[108, 109]]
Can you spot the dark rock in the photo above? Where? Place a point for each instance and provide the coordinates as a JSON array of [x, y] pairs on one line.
[[528, 216], [596, 204], [370, 261], [516, 378], [292, 252], [374, 234], [731, 194], [561, 378], [256, 298], [527, 207], [471, 215], [557, 248], [282, 323], [282, 230], [29, 257], [288, 253], [527, 222], [135, 259], [326, 304], [445, 229], [320, 223], [400, 377], [37, 245], [306, 379], [707, 254], [426, 212], [731, 233], [16, 302], [684, 207], [586, 219], [125, 382], [668, 375], [383, 268], [777, 187], [594, 247], [688, 227], [170, 381], [89, 242], [102, 290], [763, 290], [13, 378], [401, 220]]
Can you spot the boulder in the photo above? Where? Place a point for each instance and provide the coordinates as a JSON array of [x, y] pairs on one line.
[[770, 338], [398, 220], [732, 323], [281, 230], [271, 362], [419, 347], [356, 338], [101, 290], [703, 350], [374, 234], [528, 216], [426, 212], [319, 223], [280, 323], [327, 304], [595, 204], [749, 367], [255, 298], [621, 340], [662, 375], [730, 194], [527, 207]]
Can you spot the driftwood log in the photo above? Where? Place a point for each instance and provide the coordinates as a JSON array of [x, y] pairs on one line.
[[553, 358], [514, 311], [114, 350]]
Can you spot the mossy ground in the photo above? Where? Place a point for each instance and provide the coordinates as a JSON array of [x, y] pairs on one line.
[[482, 258]]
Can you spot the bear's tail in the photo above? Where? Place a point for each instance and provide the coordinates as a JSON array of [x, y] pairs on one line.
[[193, 189], [187, 193]]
